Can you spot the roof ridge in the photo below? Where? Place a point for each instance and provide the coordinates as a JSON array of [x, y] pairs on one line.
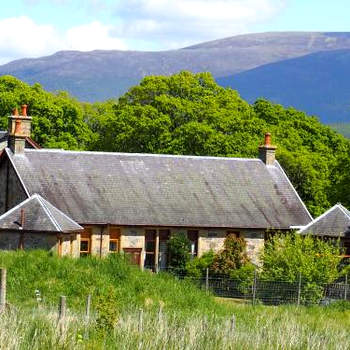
[[47, 211], [15, 207], [160, 155], [319, 218], [60, 212], [344, 210]]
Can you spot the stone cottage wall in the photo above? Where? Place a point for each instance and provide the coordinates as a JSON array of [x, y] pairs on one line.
[[12, 190]]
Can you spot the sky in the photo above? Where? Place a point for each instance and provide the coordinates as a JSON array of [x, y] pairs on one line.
[[34, 28]]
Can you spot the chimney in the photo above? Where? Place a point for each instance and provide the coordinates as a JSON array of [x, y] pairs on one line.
[[19, 128], [267, 152]]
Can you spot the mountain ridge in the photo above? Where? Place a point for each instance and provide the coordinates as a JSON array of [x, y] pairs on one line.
[[102, 74]]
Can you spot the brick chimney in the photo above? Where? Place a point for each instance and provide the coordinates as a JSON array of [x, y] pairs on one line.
[[267, 152], [19, 127]]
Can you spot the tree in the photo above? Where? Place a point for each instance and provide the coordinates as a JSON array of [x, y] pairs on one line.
[[232, 257], [179, 253], [58, 119], [286, 256]]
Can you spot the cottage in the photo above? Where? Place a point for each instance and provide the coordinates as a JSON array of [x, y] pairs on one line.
[[333, 224], [132, 203]]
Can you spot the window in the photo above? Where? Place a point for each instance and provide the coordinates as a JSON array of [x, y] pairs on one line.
[[163, 248], [85, 242], [192, 235], [150, 248], [114, 239]]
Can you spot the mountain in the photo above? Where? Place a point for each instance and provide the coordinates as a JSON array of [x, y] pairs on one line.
[[98, 75], [317, 83]]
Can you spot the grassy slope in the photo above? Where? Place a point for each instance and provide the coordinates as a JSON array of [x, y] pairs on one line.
[[76, 278], [190, 319]]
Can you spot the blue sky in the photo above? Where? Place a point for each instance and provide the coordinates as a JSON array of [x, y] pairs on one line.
[[33, 28]]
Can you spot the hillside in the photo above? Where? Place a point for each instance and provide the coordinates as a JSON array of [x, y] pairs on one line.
[[98, 75], [317, 83], [131, 309]]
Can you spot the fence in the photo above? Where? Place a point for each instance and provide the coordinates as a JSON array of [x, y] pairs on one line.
[[259, 290]]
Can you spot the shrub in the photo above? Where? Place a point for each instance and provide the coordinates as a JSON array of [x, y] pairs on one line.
[[245, 277], [232, 257], [179, 252], [288, 257], [197, 266]]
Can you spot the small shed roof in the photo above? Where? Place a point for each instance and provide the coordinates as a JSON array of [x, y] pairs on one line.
[[37, 214], [162, 190], [335, 222]]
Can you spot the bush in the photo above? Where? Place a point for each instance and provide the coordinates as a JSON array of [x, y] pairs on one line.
[[197, 266], [244, 277], [232, 257], [179, 252], [287, 257]]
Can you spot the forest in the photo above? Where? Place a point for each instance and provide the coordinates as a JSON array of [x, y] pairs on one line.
[[190, 114]]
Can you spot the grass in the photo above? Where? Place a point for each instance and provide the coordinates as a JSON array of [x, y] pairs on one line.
[[150, 311]]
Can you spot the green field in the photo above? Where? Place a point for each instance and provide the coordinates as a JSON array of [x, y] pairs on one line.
[[138, 310]]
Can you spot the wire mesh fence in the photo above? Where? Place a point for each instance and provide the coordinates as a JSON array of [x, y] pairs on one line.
[[259, 290]]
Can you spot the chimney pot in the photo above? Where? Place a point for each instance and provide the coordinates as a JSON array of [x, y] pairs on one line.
[[24, 110], [15, 112], [268, 139]]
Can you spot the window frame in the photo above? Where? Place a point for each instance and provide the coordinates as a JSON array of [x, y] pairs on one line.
[[85, 237], [114, 237]]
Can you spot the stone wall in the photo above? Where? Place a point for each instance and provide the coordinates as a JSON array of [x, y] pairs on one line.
[[9, 240], [12, 193]]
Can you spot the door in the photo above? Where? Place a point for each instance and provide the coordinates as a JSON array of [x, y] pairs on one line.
[[133, 255]]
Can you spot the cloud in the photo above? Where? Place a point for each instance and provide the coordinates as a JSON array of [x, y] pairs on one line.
[[22, 37], [191, 20]]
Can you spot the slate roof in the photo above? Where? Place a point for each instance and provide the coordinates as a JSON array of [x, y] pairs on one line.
[[162, 190], [3, 136], [39, 215], [3, 141], [334, 223]]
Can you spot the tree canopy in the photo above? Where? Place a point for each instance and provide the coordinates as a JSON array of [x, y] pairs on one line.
[[189, 113]]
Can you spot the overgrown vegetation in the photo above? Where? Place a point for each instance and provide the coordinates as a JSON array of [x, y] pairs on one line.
[[190, 114], [132, 309]]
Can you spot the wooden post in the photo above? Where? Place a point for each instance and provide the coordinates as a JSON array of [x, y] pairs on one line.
[[254, 287], [62, 308], [299, 289], [3, 290], [88, 306], [346, 287], [140, 320], [207, 280], [232, 324]]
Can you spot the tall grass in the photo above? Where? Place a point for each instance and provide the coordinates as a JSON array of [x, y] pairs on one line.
[[189, 319], [254, 328]]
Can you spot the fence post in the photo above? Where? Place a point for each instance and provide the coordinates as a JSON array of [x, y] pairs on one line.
[[140, 320], [88, 306], [62, 308], [207, 280], [232, 324], [3, 290], [299, 289], [254, 287], [346, 287]]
